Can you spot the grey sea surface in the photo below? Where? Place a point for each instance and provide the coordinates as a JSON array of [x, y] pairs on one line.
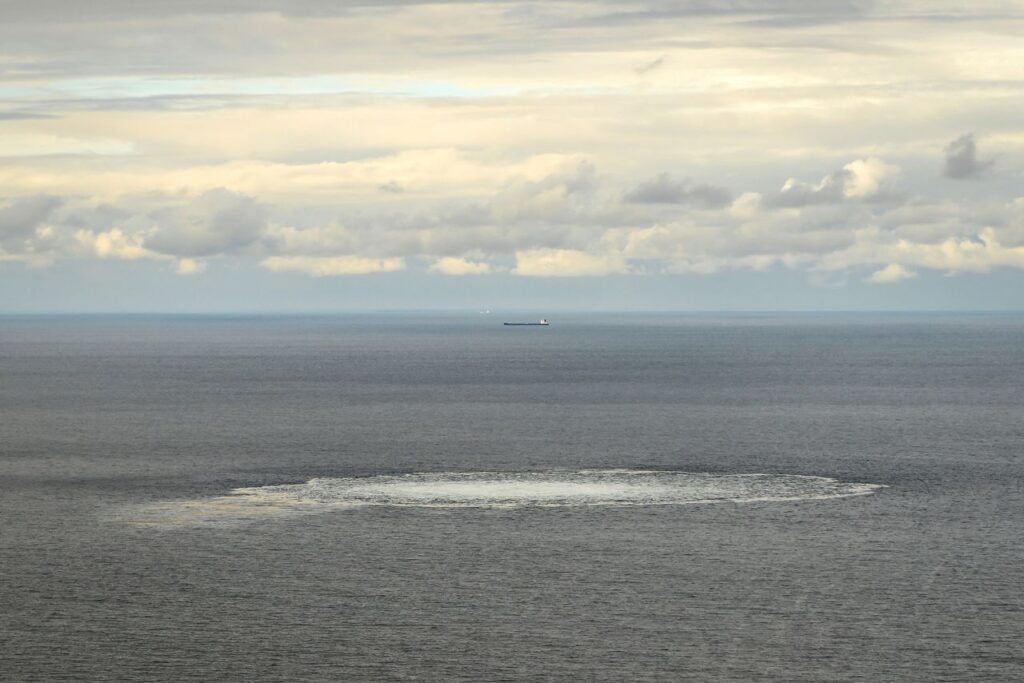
[[814, 497]]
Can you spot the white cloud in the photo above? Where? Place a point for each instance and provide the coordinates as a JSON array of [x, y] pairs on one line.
[[567, 263], [571, 222], [431, 172], [27, 144], [114, 244], [893, 272], [187, 266], [321, 266], [450, 265], [978, 255], [461, 138], [859, 179], [867, 176]]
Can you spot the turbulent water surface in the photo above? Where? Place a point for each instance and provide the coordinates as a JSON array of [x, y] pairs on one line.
[[661, 498], [495, 490]]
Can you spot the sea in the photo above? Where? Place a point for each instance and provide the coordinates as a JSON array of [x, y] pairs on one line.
[[439, 497]]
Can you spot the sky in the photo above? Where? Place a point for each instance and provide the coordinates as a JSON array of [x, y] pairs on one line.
[[331, 155]]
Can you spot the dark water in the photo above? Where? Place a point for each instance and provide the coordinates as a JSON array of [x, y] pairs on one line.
[[920, 581]]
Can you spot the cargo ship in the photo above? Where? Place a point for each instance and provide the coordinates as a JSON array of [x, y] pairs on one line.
[[543, 322]]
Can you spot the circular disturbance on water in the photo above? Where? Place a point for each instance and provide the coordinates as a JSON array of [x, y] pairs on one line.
[[496, 490]]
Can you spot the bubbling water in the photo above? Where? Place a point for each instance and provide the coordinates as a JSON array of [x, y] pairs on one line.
[[496, 490]]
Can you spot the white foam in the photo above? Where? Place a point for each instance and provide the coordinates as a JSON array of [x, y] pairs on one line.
[[555, 488]]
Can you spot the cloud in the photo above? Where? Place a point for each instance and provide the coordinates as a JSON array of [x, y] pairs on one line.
[[187, 266], [1011, 230], [650, 66], [433, 171], [867, 176], [115, 244], [962, 160], [391, 187], [22, 115], [28, 144], [216, 222], [119, 9], [665, 190], [859, 179], [321, 266], [555, 198], [569, 223], [567, 263], [20, 218], [893, 272], [377, 36], [978, 254], [775, 12], [450, 265], [471, 138], [795, 194]]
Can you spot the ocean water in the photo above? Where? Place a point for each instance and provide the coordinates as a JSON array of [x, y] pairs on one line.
[[441, 498]]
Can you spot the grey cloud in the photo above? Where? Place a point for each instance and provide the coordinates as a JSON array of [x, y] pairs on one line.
[[101, 217], [888, 198], [1010, 227], [795, 194], [195, 37], [927, 221], [962, 159], [57, 10], [556, 211], [726, 240], [391, 188], [450, 230], [169, 103], [22, 115], [701, 242], [664, 189], [819, 230], [567, 210], [216, 222], [582, 181], [20, 218], [108, 9], [554, 199], [782, 12], [650, 66]]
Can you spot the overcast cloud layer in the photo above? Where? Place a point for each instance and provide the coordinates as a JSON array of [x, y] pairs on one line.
[[858, 144]]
